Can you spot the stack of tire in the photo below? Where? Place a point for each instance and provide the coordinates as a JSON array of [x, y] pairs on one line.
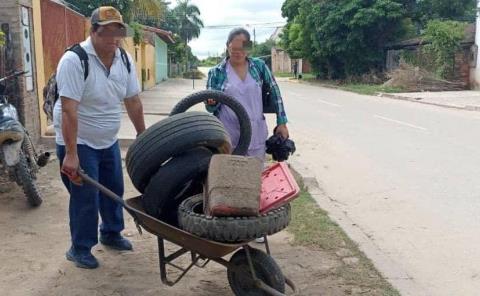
[[168, 164]]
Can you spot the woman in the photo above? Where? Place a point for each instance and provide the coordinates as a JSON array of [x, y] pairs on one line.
[[242, 77]]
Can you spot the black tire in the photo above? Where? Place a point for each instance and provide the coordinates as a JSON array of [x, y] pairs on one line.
[[181, 177], [222, 98], [229, 229], [170, 137], [26, 179], [266, 269]]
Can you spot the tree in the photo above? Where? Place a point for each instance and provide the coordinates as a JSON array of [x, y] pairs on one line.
[[131, 10], [263, 49], [457, 10], [187, 19], [149, 12], [344, 37], [180, 52], [444, 38]]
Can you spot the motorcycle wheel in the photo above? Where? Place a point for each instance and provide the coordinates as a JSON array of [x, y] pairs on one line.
[[26, 179]]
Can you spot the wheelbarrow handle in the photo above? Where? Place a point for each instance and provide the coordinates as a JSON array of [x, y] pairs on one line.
[[88, 180]]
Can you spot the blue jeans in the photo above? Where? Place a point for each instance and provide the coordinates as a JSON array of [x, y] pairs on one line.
[[105, 166]]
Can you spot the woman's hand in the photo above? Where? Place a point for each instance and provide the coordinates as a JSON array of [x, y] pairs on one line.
[[211, 102], [282, 130]]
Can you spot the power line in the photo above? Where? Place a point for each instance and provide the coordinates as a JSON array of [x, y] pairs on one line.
[[256, 27], [227, 26]]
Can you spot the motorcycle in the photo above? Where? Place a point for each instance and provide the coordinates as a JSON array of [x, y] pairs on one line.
[[19, 160]]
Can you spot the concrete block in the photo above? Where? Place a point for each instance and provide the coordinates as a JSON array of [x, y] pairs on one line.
[[233, 186]]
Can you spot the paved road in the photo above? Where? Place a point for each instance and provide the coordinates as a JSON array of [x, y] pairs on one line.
[[404, 174], [407, 176]]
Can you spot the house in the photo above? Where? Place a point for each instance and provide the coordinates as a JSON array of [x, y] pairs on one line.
[[37, 34], [16, 21], [465, 58], [151, 55], [56, 27], [475, 74], [281, 61], [161, 39]]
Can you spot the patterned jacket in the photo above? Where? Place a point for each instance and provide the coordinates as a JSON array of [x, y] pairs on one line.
[[217, 79]]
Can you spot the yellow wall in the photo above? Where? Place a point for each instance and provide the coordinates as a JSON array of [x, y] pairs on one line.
[[130, 47], [149, 66], [39, 62], [144, 60]]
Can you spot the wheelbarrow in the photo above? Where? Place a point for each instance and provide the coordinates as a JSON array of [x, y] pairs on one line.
[[250, 271]]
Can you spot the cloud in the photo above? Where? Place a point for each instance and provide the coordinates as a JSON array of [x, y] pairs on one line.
[[233, 12]]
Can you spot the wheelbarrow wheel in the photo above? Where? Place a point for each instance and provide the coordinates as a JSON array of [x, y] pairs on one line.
[[266, 269], [221, 98]]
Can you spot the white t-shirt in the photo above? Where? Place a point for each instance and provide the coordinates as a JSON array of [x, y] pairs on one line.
[[100, 96]]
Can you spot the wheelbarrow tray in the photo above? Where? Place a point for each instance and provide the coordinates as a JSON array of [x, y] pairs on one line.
[[201, 246], [200, 249]]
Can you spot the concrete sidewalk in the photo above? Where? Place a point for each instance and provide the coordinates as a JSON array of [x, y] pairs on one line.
[[159, 101], [463, 100]]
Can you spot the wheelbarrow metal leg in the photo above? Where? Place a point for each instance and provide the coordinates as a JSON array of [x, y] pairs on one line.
[[163, 261], [267, 245]]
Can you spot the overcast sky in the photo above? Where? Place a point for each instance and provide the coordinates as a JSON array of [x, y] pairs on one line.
[[233, 12]]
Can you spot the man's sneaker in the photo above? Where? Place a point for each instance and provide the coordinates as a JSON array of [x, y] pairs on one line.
[[116, 242], [82, 260]]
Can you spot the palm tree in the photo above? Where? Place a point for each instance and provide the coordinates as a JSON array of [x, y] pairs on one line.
[[188, 20], [130, 9], [148, 11]]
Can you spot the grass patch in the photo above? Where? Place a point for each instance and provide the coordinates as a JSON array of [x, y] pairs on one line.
[[359, 88], [311, 227], [283, 74], [307, 76], [369, 89]]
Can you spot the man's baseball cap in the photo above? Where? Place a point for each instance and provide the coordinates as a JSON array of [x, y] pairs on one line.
[[105, 15]]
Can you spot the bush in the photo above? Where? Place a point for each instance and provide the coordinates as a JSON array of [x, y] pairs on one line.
[[444, 38], [342, 38]]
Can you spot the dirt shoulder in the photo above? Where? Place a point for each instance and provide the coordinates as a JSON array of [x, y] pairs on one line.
[[34, 241]]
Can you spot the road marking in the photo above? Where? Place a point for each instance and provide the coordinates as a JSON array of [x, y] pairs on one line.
[[401, 122], [328, 103], [298, 96]]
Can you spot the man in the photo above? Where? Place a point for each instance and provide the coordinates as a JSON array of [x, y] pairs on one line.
[[86, 120]]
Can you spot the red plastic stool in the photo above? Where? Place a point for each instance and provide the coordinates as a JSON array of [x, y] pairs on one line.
[[278, 187]]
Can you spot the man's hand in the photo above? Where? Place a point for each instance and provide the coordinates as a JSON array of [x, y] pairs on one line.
[[282, 130], [70, 168]]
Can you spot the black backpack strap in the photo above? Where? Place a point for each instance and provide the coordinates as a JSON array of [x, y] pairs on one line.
[[125, 59], [82, 54]]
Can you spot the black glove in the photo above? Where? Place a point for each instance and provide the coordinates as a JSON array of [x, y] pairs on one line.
[[280, 148]]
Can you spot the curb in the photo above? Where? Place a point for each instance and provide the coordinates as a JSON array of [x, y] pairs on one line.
[[418, 100], [320, 84], [390, 269], [395, 97]]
